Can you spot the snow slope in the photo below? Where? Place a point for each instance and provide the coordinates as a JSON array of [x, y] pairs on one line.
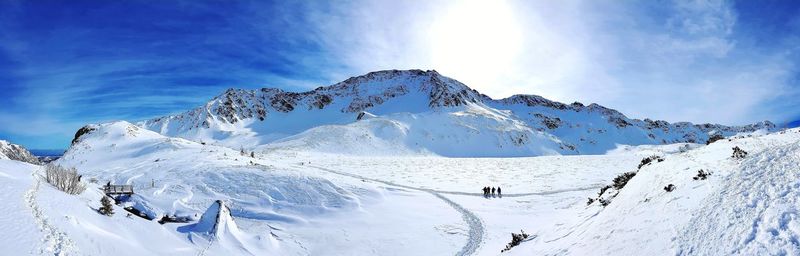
[[311, 203], [17, 219], [746, 207], [422, 112], [277, 207], [472, 130], [39, 220]]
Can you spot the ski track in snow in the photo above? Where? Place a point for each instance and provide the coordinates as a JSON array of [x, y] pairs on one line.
[[208, 246], [476, 230], [475, 226], [54, 241]]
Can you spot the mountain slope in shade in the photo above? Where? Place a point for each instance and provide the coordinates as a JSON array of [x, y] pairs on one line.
[[16, 152], [425, 113]]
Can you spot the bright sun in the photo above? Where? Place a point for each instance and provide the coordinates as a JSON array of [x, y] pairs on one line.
[[476, 41]]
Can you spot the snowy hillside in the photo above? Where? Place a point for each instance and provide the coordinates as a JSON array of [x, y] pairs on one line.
[[744, 207], [422, 112], [16, 152], [307, 203], [278, 208]]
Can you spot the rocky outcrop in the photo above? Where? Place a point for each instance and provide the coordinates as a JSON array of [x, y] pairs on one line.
[[16, 152], [82, 131]]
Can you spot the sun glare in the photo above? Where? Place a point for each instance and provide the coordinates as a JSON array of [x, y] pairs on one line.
[[475, 41]]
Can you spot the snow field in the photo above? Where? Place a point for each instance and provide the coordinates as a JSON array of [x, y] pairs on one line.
[[310, 203]]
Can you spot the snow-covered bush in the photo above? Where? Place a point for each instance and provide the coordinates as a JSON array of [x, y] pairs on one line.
[[622, 179], [648, 160], [516, 239], [738, 153], [618, 183], [714, 138], [64, 179], [600, 199], [106, 207], [603, 190], [701, 175]]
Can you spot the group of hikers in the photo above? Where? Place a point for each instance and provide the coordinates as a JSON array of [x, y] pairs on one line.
[[487, 191]]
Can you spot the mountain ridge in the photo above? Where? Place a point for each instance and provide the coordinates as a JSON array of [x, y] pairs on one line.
[[268, 114], [16, 152]]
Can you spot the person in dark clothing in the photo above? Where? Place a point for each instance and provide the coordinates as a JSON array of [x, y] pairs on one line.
[[484, 191], [498, 191], [492, 190]]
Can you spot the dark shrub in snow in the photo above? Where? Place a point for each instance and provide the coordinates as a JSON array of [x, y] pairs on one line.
[[738, 153], [701, 175], [516, 239], [622, 179], [591, 200], [106, 207], [603, 190], [648, 160], [669, 188]]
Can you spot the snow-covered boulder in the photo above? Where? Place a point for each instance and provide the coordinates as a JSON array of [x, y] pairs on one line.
[[217, 230], [216, 221]]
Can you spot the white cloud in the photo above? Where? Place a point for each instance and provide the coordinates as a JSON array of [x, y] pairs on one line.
[[678, 61]]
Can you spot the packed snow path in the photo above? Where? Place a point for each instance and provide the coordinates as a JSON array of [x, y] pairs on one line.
[[55, 241], [542, 193], [476, 230]]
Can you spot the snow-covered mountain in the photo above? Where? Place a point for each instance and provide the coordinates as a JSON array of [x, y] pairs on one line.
[[16, 152], [421, 112]]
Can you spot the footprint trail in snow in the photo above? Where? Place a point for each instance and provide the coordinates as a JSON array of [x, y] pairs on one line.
[[54, 241]]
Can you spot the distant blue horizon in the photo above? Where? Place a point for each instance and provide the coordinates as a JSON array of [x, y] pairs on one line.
[[65, 64], [47, 152]]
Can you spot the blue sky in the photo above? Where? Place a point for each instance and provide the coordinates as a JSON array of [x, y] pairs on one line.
[[64, 64]]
